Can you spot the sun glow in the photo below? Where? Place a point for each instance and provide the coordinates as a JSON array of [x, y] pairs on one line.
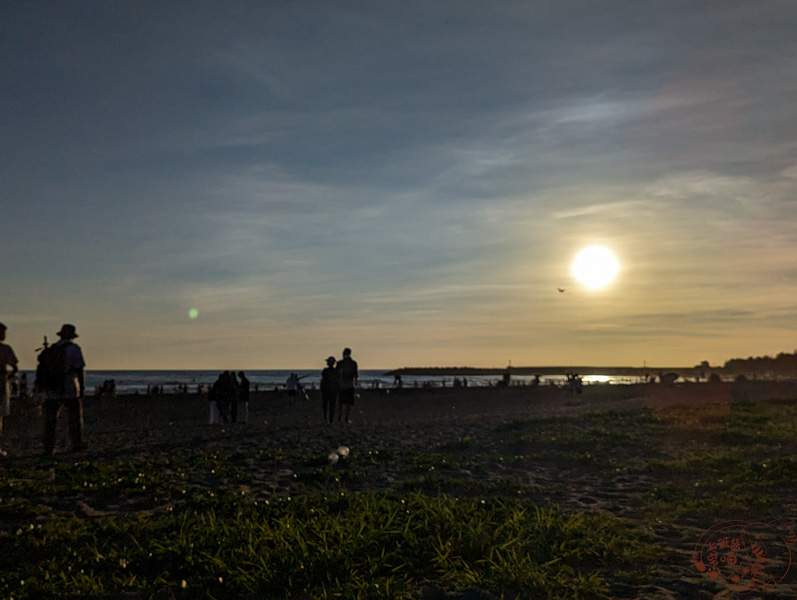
[[595, 267]]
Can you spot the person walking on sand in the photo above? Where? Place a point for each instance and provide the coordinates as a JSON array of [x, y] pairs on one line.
[[70, 393], [243, 395], [233, 395], [349, 379], [329, 389], [7, 359], [221, 395], [214, 400]]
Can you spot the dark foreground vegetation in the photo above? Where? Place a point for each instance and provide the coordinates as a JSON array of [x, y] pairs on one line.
[[597, 505]]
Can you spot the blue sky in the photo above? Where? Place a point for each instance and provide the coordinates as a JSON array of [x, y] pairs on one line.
[[410, 179]]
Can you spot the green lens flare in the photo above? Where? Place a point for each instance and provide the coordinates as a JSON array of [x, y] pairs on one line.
[[193, 313]]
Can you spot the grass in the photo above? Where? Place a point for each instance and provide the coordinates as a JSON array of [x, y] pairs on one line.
[[486, 510], [729, 462], [348, 545], [604, 441]]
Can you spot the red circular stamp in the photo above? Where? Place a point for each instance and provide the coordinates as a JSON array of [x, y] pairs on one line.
[[746, 556]]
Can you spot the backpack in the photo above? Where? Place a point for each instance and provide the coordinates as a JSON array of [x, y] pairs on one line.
[[52, 370]]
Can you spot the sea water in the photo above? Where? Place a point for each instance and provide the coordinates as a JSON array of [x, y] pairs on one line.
[[140, 381], [128, 382]]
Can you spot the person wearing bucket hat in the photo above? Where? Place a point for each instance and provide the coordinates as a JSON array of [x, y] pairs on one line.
[[70, 395], [7, 359], [67, 332], [329, 389]]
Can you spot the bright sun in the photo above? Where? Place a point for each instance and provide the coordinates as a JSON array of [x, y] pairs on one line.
[[595, 266]]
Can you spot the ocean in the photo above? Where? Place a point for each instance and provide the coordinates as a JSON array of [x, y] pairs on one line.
[[130, 382]]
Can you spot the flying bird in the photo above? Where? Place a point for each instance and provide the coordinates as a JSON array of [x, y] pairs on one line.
[[561, 290]]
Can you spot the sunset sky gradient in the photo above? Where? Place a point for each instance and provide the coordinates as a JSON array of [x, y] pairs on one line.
[[411, 179]]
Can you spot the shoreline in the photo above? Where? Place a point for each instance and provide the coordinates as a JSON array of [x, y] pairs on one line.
[[683, 372], [753, 390], [407, 404], [546, 370]]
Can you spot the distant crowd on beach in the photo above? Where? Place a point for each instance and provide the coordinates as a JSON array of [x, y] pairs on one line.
[[60, 383], [20, 387], [229, 396], [226, 395]]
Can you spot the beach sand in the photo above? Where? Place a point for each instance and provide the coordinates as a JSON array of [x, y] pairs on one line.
[[131, 425], [415, 420]]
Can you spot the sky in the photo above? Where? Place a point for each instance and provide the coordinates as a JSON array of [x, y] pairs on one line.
[[200, 185]]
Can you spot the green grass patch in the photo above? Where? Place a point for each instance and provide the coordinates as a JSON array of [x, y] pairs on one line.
[[350, 545], [727, 461], [603, 441]]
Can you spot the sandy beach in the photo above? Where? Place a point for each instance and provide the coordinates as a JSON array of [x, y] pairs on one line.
[[134, 424], [460, 423]]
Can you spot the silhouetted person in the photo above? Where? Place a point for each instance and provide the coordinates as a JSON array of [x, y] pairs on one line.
[[70, 393], [220, 394], [243, 394], [570, 386], [330, 385], [23, 386], [107, 389], [7, 359], [349, 378], [214, 393], [292, 384], [232, 393]]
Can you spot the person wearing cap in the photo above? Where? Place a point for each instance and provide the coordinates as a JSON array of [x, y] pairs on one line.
[[7, 359], [349, 378], [329, 389], [71, 397]]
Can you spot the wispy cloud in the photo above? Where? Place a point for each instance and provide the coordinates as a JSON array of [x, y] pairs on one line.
[[414, 178]]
